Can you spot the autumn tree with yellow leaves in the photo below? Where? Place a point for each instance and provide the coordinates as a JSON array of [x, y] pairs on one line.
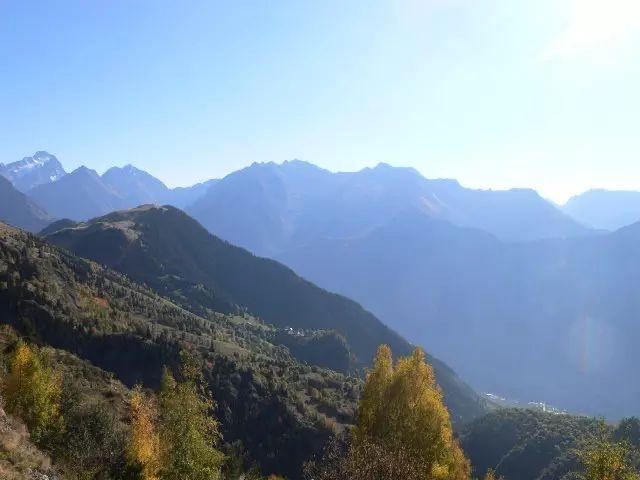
[[175, 438], [143, 447], [32, 392], [403, 430], [402, 410], [604, 459], [491, 475]]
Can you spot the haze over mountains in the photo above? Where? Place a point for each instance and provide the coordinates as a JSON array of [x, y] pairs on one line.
[[552, 320], [605, 209], [83, 193], [521, 297], [298, 201], [269, 208]]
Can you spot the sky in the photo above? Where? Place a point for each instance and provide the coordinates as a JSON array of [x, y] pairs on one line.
[[494, 93]]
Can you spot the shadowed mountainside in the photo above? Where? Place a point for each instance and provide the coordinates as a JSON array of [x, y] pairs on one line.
[[19, 210], [555, 318], [167, 250]]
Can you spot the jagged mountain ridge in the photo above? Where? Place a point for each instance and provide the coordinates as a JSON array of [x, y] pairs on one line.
[[270, 208], [83, 194], [30, 172]]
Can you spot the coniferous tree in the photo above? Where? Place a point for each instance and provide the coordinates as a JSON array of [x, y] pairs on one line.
[[187, 433]]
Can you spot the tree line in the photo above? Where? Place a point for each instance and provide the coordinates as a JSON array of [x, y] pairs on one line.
[[403, 430]]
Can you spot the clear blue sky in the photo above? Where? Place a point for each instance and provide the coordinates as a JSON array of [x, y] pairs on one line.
[[496, 93]]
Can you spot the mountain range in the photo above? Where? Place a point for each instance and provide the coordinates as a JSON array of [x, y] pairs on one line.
[[288, 201], [77, 195], [489, 281], [83, 193], [270, 208]]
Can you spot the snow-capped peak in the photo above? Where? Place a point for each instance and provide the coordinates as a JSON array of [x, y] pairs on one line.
[[30, 172]]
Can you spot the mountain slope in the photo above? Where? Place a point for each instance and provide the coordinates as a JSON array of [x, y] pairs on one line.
[[169, 251], [264, 397], [78, 195], [17, 209], [30, 172], [552, 320], [135, 186], [19, 458], [605, 209], [94, 406], [528, 445], [270, 208]]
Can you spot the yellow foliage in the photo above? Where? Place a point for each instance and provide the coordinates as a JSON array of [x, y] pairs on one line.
[[491, 475], [188, 433], [403, 411], [143, 448], [32, 392], [606, 460]]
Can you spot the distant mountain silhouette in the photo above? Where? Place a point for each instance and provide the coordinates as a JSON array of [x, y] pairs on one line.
[[19, 210], [138, 187], [552, 320], [135, 186], [269, 208], [83, 194], [172, 253], [605, 209], [30, 172], [183, 196], [79, 195]]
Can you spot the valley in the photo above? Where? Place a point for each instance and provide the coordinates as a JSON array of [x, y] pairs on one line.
[[414, 252]]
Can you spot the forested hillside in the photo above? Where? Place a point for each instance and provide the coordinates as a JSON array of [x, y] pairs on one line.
[[266, 400], [165, 249], [530, 445], [92, 402]]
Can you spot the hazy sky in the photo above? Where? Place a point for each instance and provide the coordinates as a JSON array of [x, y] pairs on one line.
[[496, 93]]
